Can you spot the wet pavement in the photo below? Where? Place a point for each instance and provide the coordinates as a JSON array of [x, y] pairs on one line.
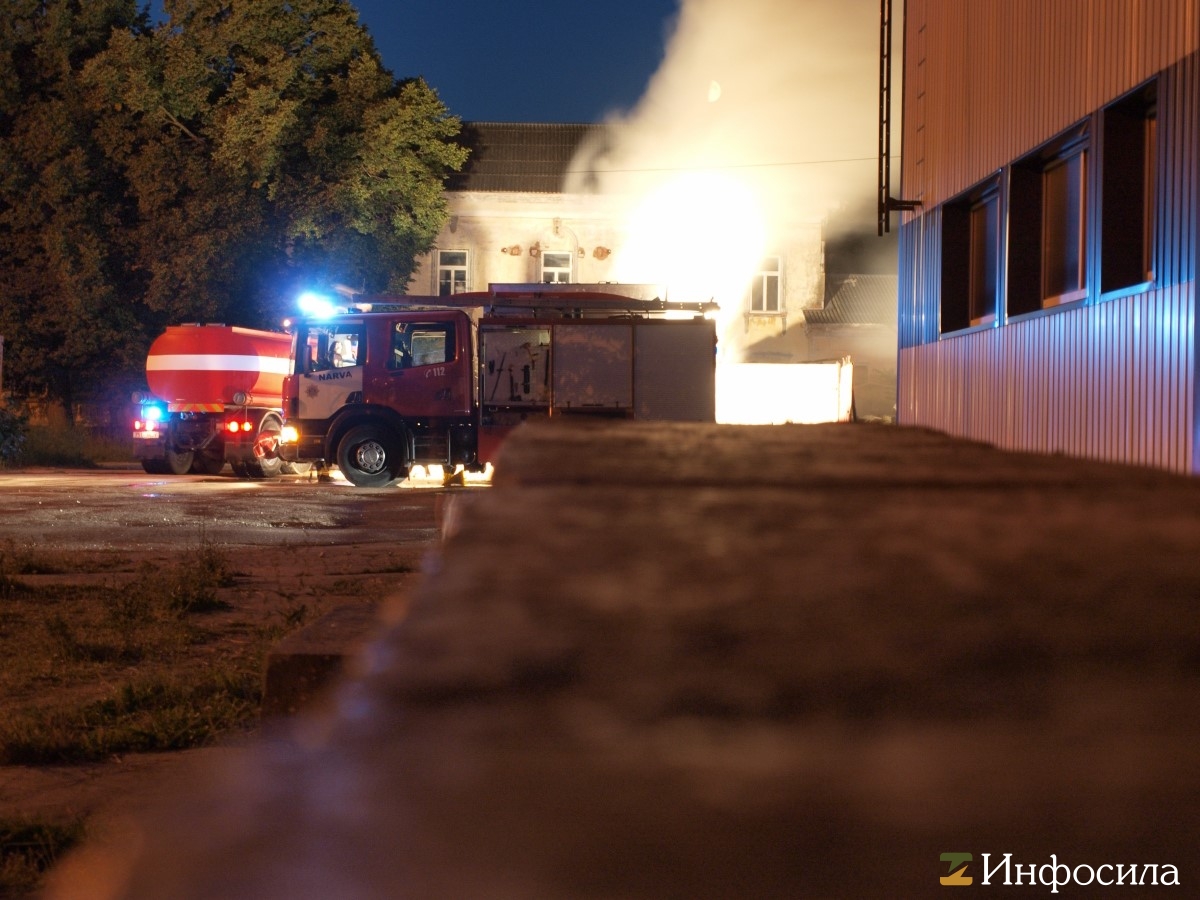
[[113, 508], [659, 661]]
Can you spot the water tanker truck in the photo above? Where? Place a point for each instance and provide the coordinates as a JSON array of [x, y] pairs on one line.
[[216, 397]]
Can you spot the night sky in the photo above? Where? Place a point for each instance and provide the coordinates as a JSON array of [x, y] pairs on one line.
[[533, 61]]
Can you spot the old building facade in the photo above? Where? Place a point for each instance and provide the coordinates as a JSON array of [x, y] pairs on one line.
[[519, 213]]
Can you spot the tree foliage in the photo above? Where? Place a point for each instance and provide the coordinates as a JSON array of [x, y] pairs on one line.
[[202, 169]]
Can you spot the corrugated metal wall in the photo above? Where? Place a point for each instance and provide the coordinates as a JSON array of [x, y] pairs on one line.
[[986, 81], [1102, 382]]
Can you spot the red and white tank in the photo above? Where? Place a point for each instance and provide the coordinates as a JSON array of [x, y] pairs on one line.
[[202, 368]]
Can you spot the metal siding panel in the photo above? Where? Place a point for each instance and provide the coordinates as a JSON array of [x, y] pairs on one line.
[[1132, 404], [988, 99]]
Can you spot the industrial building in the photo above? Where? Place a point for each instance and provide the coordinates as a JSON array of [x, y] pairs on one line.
[[1048, 238]]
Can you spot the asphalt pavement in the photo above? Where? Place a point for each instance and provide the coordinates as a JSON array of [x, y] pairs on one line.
[[689, 661]]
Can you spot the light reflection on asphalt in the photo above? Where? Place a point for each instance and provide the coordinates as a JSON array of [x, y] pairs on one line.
[[111, 508]]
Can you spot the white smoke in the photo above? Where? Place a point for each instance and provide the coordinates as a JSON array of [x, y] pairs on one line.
[[779, 96]]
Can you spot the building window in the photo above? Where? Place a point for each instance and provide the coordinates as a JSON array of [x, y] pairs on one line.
[[970, 258], [764, 289], [1062, 230], [452, 272], [556, 267], [1128, 191], [1047, 226]]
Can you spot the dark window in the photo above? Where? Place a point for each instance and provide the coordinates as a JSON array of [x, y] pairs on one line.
[[1128, 191], [1047, 226], [970, 258]]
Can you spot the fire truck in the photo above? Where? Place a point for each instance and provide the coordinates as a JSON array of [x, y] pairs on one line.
[[216, 396], [394, 382]]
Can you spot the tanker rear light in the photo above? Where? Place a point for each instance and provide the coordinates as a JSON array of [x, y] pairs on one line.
[[147, 427], [151, 416], [233, 427]]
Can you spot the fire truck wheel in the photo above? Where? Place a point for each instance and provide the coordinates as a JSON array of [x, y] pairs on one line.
[[178, 462], [267, 467], [368, 457]]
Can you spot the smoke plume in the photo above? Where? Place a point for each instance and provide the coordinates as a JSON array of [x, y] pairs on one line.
[[779, 96]]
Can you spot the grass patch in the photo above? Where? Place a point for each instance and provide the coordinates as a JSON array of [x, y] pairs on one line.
[[29, 848], [71, 447], [83, 666], [142, 716]]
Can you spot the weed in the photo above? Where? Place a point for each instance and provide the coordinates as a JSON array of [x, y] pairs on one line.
[[29, 848], [190, 586], [64, 645], [130, 615]]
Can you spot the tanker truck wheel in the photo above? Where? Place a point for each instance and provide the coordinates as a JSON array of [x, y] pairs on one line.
[[155, 467], [209, 462], [369, 456], [178, 462]]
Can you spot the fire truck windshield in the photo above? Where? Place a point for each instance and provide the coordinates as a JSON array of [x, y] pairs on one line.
[[332, 346]]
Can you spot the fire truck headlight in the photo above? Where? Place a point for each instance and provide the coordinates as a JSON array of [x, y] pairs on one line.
[[289, 435]]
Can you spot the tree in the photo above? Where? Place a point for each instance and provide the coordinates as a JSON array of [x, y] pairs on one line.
[[269, 150], [65, 317], [202, 170]]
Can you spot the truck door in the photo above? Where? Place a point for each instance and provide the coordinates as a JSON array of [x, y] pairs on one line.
[[425, 371], [328, 371]]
